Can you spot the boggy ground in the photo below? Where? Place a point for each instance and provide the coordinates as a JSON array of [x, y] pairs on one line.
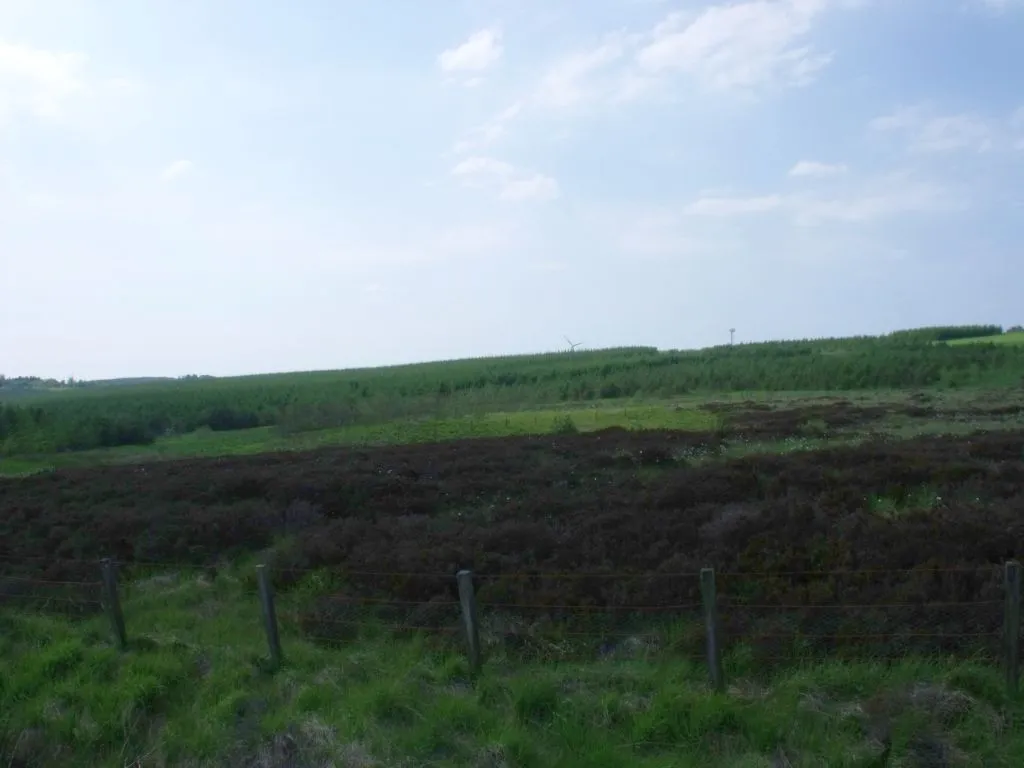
[[838, 415], [624, 518]]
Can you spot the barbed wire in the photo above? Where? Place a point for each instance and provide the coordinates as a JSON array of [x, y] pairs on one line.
[[385, 626], [895, 635], [484, 575], [592, 608], [797, 658], [49, 599], [385, 601], [726, 603], [865, 571], [29, 580]]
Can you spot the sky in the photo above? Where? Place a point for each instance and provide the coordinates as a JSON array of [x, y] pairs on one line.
[[246, 186]]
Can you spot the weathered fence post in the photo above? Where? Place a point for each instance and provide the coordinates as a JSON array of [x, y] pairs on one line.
[[467, 599], [1011, 626], [112, 604], [714, 652], [269, 615]]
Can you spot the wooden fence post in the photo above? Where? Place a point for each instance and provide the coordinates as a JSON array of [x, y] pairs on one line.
[[112, 604], [714, 652], [1011, 626], [269, 615], [467, 599]]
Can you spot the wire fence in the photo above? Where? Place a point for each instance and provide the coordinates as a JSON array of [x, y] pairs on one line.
[[764, 617]]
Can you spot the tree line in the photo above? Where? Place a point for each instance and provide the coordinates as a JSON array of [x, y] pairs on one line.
[[104, 417]]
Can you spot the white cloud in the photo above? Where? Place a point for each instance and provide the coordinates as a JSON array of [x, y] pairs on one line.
[[733, 206], [491, 131], [472, 240], [475, 166], [955, 132], [513, 184], [38, 82], [811, 168], [875, 199], [1017, 126], [176, 170], [547, 266], [656, 234], [59, 89], [926, 131], [1000, 5], [738, 45], [571, 79], [480, 52], [532, 186], [890, 196]]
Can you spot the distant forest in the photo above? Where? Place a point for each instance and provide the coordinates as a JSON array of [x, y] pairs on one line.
[[84, 416]]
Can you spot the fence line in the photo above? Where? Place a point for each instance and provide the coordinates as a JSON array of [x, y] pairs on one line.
[[395, 628], [49, 599], [385, 601], [27, 580], [514, 575], [376, 625], [596, 608], [855, 636], [865, 571], [864, 606], [470, 614]]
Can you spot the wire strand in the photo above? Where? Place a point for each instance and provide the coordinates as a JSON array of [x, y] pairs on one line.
[[855, 636], [341, 570], [27, 580], [855, 606]]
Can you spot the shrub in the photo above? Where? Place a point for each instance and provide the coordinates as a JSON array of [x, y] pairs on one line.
[[564, 425]]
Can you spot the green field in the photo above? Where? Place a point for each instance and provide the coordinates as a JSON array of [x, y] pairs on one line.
[[681, 413], [488, 392], [194, 689], [206, 442], [1007, 339]]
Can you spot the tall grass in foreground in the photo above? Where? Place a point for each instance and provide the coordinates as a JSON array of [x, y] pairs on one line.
[[194, 690]]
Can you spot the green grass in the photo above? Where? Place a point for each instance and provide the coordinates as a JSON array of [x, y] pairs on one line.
[[908, 501], [205, 442], [20, 466], [76, 418], [194, 690], [1009, 339], [681, 413]]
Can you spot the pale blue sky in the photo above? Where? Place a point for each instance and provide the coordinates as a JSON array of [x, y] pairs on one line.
[[232, 186]]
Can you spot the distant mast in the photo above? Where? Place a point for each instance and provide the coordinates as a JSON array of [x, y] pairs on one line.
[[732, 333]]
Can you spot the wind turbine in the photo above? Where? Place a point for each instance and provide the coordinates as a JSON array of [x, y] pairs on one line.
[[572, 346], [732, 332]]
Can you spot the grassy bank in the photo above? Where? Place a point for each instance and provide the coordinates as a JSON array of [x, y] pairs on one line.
[[193, 690]]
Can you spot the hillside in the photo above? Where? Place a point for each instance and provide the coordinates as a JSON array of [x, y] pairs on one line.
[[586, 550], [860, 541], [87, 418]]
